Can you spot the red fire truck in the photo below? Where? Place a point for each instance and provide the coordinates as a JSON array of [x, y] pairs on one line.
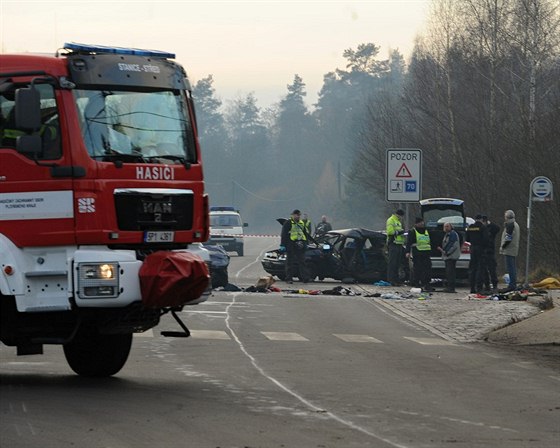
[[100, 172]]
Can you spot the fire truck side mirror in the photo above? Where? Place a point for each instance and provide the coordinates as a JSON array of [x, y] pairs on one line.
[[29, 144], [28, 109], [28, 119]]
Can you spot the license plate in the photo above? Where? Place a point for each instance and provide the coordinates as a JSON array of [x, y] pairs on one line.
[[159, 237]]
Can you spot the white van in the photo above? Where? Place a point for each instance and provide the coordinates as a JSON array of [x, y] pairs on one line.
[[226, 229]]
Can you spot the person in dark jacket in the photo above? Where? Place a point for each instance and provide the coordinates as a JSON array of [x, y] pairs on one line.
[[418, 247], [323, 227], [491, 275], [477, 236], [293, 241]]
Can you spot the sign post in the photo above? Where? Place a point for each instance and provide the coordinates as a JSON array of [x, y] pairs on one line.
[[540, 190], [404, 175]]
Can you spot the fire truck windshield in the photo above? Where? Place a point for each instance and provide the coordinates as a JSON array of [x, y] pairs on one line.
[[136, 126]]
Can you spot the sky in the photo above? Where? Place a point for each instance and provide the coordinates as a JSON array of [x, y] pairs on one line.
[[248, 46]]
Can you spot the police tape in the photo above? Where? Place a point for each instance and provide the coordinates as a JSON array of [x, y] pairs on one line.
[[264, 236], [216, 236]]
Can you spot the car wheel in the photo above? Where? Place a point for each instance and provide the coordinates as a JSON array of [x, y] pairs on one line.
[[240, 251]]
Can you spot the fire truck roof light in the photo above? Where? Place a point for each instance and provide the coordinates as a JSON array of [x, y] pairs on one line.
[[86, 48]]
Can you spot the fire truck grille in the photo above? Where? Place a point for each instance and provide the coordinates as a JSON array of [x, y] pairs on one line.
[[144, 211]]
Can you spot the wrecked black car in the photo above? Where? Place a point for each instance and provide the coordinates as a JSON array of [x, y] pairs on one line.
[[349, 255]]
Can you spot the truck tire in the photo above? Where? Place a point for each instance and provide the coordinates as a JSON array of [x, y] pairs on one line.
[[92, 354]]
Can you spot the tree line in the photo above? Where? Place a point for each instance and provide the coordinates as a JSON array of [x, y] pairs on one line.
[[480, 96]]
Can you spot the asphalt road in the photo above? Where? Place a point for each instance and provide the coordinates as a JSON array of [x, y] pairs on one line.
[[282, 370]]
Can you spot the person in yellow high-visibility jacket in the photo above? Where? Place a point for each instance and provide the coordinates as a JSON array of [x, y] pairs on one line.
[[418, 247], [395, 245], [293, 241]]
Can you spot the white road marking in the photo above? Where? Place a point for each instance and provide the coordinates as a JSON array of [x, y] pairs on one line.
[[525, 364], [203, 312], [283, 336], [223, 303], [357, 338], [429, 341], [492, 355], [210, 334], [26, 363], [255, 261], [432, 417], [307, 403]]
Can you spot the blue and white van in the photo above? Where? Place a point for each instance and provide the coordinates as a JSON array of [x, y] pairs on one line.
[[226, 229]]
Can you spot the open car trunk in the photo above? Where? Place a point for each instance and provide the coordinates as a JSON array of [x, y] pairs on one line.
[[437, 212]]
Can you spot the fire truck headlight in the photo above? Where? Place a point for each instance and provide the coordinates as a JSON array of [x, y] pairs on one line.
[[98, 280], [107, 271]]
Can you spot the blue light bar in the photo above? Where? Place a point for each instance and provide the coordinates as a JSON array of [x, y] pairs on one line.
[[85, 48]]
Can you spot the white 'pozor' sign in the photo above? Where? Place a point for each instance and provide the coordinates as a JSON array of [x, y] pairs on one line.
[[403, 175]]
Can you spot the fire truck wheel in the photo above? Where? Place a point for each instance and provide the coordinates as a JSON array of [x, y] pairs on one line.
[[97, 355]]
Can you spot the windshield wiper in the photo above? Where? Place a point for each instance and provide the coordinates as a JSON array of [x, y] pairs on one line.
[[180, 159], [112, 155]]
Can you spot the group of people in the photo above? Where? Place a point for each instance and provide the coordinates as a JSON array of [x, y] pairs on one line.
[[417, 246], [482, 268], [296, 233]]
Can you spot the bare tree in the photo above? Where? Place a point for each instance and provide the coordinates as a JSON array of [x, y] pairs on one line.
[[536, 33], [482, 99]]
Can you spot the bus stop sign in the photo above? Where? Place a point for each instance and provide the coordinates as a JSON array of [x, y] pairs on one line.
[[541, 189]]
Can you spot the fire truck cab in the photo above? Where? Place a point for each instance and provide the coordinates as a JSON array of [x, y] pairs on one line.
[[99, 168]]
